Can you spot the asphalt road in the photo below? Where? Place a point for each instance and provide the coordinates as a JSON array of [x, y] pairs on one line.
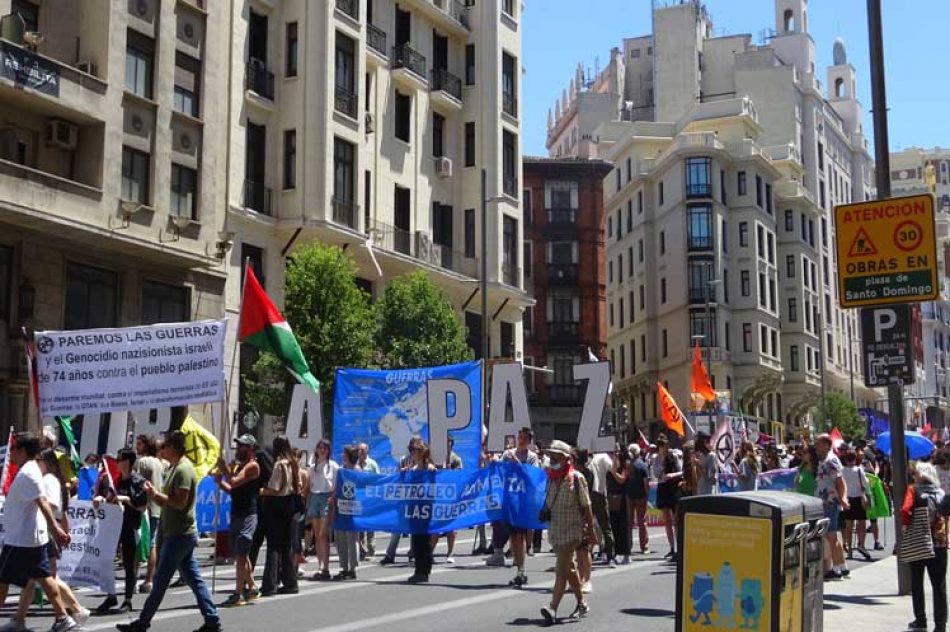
[[466, 596]]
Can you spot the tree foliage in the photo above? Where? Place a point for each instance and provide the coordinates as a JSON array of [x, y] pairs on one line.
[[417, 326], [839, 411]]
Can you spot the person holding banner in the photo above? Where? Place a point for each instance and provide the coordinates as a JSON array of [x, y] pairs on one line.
[[179, 539], [367, 538], [28, 522], [129, 493], [279, 510], [452, 462], [421, 543], [347, 545], [523, 454], [242, 481]]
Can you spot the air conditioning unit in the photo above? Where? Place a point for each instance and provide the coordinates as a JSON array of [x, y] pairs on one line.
[[443, 167], [60, 133], [370, 123], [88, 67], [423, 246]]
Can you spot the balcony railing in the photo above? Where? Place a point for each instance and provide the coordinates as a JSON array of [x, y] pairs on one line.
[[259, 79], [456, 9], [699, 243], [346, 101], [258, 197], [510, 186], [698, 190], [345, 212], [443, 80], [559, 273], [509, 103], [419, 245], [566, 393], [349, 7], [510, 274], [562, 215], [699, 295], [405, 56], [376, 39], [562, 330]]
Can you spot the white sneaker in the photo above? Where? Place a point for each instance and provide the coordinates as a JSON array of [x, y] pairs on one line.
[[82, 615], [586, 588], [450, 560], [14, 626], [64, 625]]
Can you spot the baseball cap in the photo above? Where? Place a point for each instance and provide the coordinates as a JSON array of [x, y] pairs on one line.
[[246, 439]]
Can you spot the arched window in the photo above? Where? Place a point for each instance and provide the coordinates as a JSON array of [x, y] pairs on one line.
[[789, 20], [839, 87]]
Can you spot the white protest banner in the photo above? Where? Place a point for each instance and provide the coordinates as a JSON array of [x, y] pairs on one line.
[[158, 366], [89, 559]]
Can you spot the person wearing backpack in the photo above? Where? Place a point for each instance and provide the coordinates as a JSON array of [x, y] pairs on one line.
[[924, 545]]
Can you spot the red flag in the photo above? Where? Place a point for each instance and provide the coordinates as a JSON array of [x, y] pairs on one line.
[[642, 441], [111, 467], [836, 438], [699, 380], [672, 416], [9, 469]]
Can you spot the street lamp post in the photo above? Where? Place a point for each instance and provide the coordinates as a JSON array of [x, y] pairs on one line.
[[484, 262], [710, 290]]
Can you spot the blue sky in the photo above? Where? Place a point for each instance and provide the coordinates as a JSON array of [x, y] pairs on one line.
[[560, 33]]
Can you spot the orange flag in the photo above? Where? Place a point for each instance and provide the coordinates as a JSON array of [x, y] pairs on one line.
[[699, 381], [672, 416]]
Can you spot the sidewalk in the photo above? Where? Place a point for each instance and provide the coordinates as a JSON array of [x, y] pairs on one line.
[[868, 600]]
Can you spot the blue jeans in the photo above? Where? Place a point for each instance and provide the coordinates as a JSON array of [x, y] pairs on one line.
[[177, 554]]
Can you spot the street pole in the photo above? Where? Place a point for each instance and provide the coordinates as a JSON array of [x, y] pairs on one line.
[[895, 392], [484, 267], [851, 358]]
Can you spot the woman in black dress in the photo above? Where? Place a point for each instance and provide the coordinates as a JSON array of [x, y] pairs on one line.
[[617, 503], [667, 472]]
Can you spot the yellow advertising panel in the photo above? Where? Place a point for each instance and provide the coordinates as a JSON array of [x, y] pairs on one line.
[[727, 579], [887, 251]]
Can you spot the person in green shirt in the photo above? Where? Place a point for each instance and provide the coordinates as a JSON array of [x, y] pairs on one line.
[[806, 479], [179, 535]]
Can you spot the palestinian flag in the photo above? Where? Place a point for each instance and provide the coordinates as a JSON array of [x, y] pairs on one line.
[[262, 326], [66, 427]]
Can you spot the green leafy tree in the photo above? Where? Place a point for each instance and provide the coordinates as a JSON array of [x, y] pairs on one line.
[[417, 326], [839, 411], [332, 319]]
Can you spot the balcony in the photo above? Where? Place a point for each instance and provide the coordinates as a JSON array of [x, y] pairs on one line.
[[346, 101], [566, 394], [510, 274], [419, 245], [258, 197], [560, 331], [698, 190], [561, 216], [345, 213], [699, 295], [449, 15], [509, 104], [699, 243], [562, 273], [349, 7], [376, 40], [446, 89], [258, 79], [409, 67], [509, 185]]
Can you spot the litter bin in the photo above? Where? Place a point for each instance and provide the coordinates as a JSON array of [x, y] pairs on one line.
[[814, 599], [741, 562]]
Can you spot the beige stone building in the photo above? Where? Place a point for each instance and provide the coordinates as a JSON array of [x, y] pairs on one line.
[[374, 119], [113, 170]]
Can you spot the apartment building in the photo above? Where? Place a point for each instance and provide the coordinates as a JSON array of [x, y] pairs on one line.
[[368, 124], [719, 220], [112, 170], [565, 274]]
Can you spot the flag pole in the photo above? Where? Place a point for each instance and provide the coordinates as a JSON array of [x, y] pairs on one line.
[[225, 412]]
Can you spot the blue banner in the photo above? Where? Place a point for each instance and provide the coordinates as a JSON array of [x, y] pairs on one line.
[[385, 409], [441, 500], [87, 482], [204, 507], [773, 481]]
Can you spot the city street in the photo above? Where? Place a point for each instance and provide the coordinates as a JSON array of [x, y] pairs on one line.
[[467, 596]]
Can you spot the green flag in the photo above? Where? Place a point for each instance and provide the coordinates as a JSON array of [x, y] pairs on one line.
[[66, 427]]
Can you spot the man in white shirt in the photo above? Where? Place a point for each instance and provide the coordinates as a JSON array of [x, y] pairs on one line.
[[367, 538], [28, 522], [600, 465]]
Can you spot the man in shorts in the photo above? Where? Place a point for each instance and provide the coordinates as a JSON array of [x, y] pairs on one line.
[[28, 523], [151, 468], [833, 492], [521, 453], [242, 480]]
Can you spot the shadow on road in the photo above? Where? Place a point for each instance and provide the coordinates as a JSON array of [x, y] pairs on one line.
[[653, 613]]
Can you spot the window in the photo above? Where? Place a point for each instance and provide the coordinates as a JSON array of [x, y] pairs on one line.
[[743, 234], [509, 162], [698, 322], [290, 158], [91, 297], [187, 80], [727, 339], [290, 54], [184, 187], [631, 306], [699, 227], [659, 193], [821, 157], [770, 246], [793, 310], [343, 171], [642, 298], [618, 177], [509, 76], [610, 271], [470, 233], [744, 279], [470, 64], [772, 294], [747, 337], [620, 312], [821, 193], [135, 175], [630, 261], [610, 225], [29, 12], [633, 357], [162, 303], [723, 235], [6, 282], [790, 266], [620, 268], [639, 201], [763, 292], [722, 185], [662, 242], [698, 177], [789, 220], [623, 355], [640, 250], [508, 7], [758, 191], [629, 168], [760, 240], [438, 135], [345, 98], [610, 314], [139, 60], [662, 291], [665, 344], [741, 183], [793, 358], [725, 286], [768, 199], [403, 125], [824, 232], [526, 208], [470, 144], [619, 226], [629, 215], [635, 53]]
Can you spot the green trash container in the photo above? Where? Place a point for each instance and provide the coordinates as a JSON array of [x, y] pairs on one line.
[[741, 560]]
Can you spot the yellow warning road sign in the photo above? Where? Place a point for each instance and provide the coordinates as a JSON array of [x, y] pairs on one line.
[[887, 251]]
